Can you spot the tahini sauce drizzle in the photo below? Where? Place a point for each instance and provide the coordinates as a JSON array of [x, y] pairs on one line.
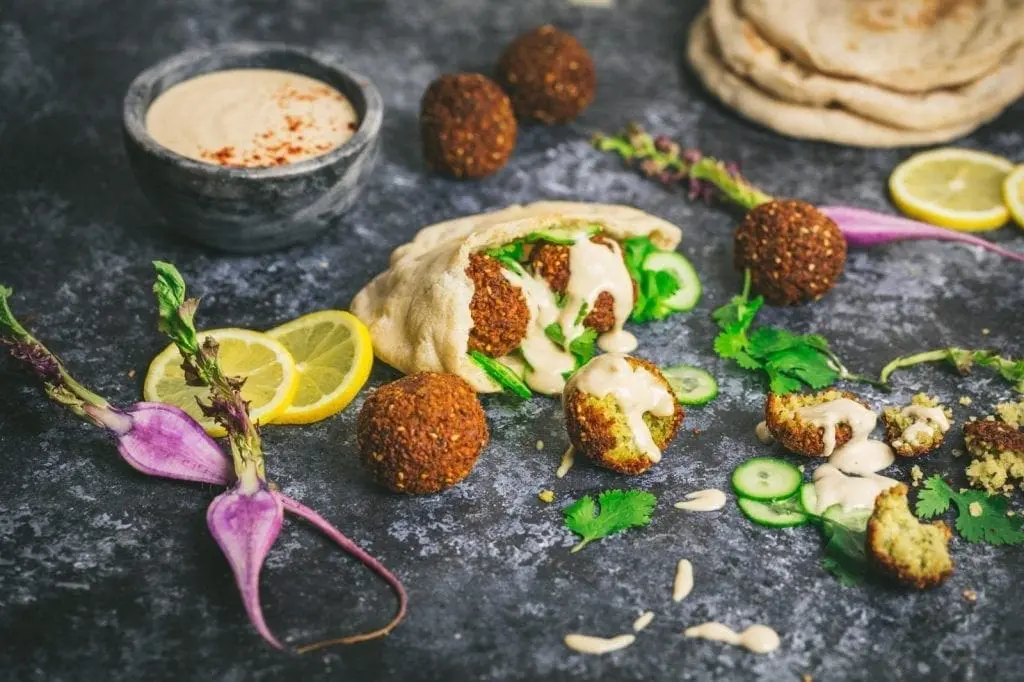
[[636, 391], [588, 644], [643, 621], [567, 461], [711, 499], [548, 361], [683, 584], [928, 418], [759, 639]]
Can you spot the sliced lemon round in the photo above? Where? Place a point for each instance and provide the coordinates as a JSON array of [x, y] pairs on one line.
[[334, 354], [1013, 194], [271, 378], [956, 188]]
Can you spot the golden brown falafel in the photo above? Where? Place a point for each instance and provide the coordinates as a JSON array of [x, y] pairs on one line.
[[498, 308], [467, 125], [795, 433], [422, 433], [551, 262], [902, 547], [549, 75], [795, 252], [599, 431], [997, 446], [912, 436]]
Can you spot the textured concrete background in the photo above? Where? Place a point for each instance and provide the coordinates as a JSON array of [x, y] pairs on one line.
[[105, 574]]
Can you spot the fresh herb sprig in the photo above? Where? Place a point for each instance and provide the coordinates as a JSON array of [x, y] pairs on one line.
[[964, 360], [653, 287], [583, 347], [791, 361], [620, 509], [980, 517]]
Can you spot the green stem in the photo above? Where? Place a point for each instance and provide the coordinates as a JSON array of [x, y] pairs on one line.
[[911, 360]]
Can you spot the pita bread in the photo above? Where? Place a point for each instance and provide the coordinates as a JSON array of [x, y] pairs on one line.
[[906, 45], [418, 309], [746, 53], [830, 125]]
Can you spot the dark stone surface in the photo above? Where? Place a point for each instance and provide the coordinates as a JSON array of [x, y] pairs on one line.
[[108, 575]]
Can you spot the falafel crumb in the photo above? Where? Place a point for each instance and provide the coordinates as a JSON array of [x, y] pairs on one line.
[[965, 400], [806, 678], [986, 331], [540, 445], [970, 594], [131, 374], [547, 496], [916, 475], [957, 452], [975, 510]]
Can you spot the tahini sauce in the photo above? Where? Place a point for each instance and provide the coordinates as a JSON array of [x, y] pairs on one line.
[[588, 644], [251, 118], [760, 639], [708, 500]]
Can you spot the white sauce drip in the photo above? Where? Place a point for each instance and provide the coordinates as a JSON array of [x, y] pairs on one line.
[[928, 418], [636, 391], [763, 433], [548, 362], [708, 500], [567, 460], [643, 621], [759, 639], [683, 584], [588, 644], [861, 456]]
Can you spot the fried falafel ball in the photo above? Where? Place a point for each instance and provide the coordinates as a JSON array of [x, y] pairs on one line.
[[905, 549], [910, 435], [467, 125], [599, 431], [422, 433], [549, 75], [997, 446], [797, 434], [498, 308], [795, 253], [551, 262]]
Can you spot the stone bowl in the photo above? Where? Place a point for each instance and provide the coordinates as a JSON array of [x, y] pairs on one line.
[[248, 210]]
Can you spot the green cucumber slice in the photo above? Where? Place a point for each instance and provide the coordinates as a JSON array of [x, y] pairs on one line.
[[561, 235], [689, 284], [809, 499], [692, 385], [782, 514], [854, 519], [502, 375], [766, 479]]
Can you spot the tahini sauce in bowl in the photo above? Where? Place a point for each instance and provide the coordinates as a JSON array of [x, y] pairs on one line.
[[251, 118]]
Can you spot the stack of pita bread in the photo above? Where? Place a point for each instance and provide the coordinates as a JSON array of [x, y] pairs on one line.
[[871, 73]]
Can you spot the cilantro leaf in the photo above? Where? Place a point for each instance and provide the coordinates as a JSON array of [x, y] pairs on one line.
[[731, 344], [510, 255], [845, 553], [988, 522], [583, 347], [653, 286], [934, 498], [803, 363], [620, 509], [781, 384], [554, 332], [582, 314]]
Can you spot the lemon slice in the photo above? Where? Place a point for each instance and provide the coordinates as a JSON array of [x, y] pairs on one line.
[[956, 188], [333, 354], [271, 377], [1013, 194]]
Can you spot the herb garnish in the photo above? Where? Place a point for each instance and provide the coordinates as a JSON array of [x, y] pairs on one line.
[[510, 255], [980, 517], [620, 509], [653, 286], [845, 552], [501, 374], [582, 347], [964, 360], [791, 361]]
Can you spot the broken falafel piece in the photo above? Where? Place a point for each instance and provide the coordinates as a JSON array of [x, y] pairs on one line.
[[796, 434], [551, 263], [467, 126], [997, 445], [900, 546], [548, 74], [795, 253], [599, 430], [498, 308], [913, 431], [422, 433]]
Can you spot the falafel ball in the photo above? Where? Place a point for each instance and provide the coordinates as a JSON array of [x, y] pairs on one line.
[[598, 428], [551, 262], [905, 549], [467, 125], [795, 252], [549, 75], [795, 433], [498, 308], [422, 433], [997, 446], [913, 436]]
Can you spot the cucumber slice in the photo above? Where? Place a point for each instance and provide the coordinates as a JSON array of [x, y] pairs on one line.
[[766, 479], [501, 374], [854, 519], [809, 499], [561, 235], [692, 385], [773, 514], [689, 284]]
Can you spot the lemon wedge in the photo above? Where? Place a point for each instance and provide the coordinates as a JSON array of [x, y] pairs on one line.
[[271, 376], [1013, 193], [333, 354], [956, 188]]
